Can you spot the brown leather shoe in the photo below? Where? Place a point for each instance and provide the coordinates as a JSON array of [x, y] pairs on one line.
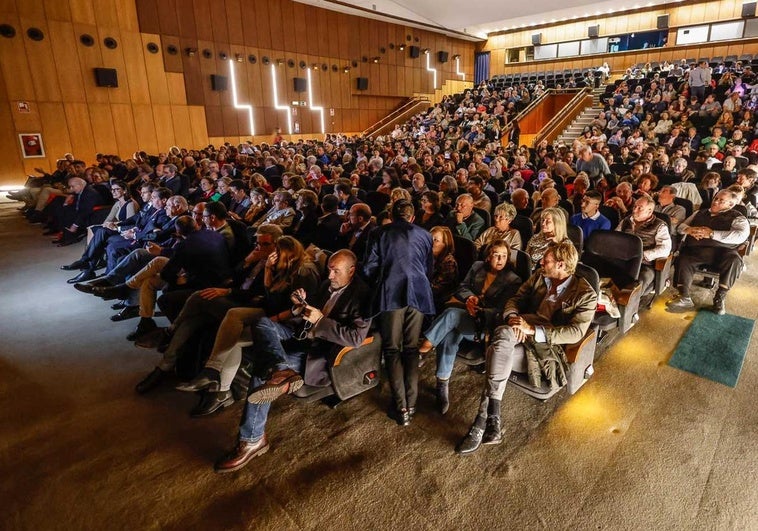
[[242, 454], [280, 383]]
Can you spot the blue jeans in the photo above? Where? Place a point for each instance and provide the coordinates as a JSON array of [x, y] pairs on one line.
[[268, 337], [446, 333]]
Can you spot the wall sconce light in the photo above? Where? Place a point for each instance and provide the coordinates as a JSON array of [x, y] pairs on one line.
[[314, 66], [240, 58], [346, 69], [401, 47], [190, 51], [280, 62], [376, 59], [456, 57], [426, 51]]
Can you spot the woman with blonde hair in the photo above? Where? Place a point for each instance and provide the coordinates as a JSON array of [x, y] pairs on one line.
[[552, 229]]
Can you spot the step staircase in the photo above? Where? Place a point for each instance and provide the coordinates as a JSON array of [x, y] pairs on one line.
[[584, 119]]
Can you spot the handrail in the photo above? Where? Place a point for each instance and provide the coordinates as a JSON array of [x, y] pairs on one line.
[[505, 132], [405, 107], [561, 116]]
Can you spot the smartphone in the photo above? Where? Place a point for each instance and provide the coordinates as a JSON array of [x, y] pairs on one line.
[[299, 299]]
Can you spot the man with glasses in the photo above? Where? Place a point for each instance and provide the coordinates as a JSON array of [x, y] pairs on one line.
[[336, 316], [590, 219]]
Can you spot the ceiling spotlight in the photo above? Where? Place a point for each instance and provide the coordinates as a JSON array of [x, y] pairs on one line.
[[456, 56], [280, 62], [190, 51], [314, 66], [240, 58], [346, 69], [426, 51], [376, 59], [401, 47]]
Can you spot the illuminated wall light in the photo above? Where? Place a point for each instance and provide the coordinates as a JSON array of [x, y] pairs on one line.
[[242, 107], [312, 106], [276, 99], [432, 70], [458, 68]]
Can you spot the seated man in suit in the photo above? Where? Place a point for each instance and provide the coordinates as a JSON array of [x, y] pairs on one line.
[[712, 238], [354, 233], [335, 317], [553, 308]]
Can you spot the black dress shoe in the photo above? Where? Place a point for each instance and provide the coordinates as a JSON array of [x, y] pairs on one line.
[[492, 433], [403, 417], [471, 442], [212, 402], [130, 312], [109, 293], [145, 325], [84, 276], [207, 379], [73, 266], [50, 232], [65, 242], [241, 455], [151, 381], [120, 305]]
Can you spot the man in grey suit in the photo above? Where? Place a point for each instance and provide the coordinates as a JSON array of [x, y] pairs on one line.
[[553, 308]]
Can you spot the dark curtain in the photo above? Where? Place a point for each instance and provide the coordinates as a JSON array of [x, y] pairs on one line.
[[482, 67]]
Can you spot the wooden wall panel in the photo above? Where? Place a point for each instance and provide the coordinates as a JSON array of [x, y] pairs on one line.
[[262, 27], [193, 78], [171, 63], [80, 128], [133, 49], [64, 43], [126, 11], [103, 130], [89, 59], [124, 127], [144, 125], [147, 14], [167, 17], [153, 79], [115, 59], [202, 10], [185, 14], [106, 14], [234, 21], [277, 25], [15, 67], [164, 127], [57, 10], [41, 63], [198, 126], [82, 11], [176, 91], [32, 10], [11, 165], [182, 126]]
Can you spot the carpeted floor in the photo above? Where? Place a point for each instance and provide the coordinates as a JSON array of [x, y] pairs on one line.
[[641, 446]]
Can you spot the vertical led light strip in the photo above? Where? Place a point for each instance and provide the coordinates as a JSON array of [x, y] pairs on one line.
[[458, 68], [312, 106], [432, 70], [246, 107], [276, 99]]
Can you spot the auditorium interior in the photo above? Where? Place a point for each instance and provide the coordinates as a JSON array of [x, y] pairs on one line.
[[640, 444]]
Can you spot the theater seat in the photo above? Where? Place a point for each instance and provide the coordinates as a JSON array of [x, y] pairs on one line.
[[352, 371]]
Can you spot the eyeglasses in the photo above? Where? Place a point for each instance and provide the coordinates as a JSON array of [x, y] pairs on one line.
[[303, 334]]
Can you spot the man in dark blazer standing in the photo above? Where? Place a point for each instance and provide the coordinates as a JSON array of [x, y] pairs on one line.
[[399, 263], [335, 317]]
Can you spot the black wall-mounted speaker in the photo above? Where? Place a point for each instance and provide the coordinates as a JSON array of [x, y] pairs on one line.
[[442, 57], [748, 10], [106, 77], [663, 22], [218, 82], [362, 83], [414, 52], [593, 32], [537, 39], [300, 84]]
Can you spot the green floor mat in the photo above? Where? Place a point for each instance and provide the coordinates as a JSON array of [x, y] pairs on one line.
[[714, 347]]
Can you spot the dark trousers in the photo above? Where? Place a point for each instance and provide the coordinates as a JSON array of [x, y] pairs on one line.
[[647, 278], [400, 331], [171, 302], [727, 262]]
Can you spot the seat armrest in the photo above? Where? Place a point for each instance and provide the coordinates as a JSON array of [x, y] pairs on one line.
[[572, 351], [341, 354]]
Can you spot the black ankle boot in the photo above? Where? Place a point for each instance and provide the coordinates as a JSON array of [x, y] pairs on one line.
[[492, 433], [443, 396]]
